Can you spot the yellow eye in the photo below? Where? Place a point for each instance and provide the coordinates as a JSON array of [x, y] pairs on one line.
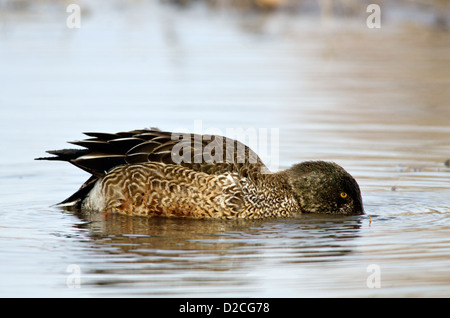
[[344, 195]]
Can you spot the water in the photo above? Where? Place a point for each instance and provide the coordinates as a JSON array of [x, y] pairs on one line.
[[375, 101]]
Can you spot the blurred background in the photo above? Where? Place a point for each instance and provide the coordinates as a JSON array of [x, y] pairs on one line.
[[313, 69], [375, 100]]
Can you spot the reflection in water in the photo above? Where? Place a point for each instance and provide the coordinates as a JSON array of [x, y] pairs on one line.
[[165, 249], [176, 234]]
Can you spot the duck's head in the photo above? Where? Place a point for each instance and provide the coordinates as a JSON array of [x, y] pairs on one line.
[[325, 187]]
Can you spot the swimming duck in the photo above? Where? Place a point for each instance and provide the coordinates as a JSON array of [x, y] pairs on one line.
[[150, 172]]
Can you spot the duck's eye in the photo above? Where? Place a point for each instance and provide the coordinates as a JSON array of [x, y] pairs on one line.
[[344, 195]]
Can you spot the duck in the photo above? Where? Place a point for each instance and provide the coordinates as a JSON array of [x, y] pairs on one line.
[[156, 173]]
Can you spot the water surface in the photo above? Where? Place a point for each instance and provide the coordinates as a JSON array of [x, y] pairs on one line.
[[374, 101]]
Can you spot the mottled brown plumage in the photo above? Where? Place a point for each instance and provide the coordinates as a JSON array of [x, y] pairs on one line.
[[156, 173]]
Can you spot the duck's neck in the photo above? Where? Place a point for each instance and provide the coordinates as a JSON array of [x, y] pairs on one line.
[[272, 194]]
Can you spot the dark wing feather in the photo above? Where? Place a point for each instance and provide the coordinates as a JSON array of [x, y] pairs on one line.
[[77, 198], [104, 151], [124, 144]]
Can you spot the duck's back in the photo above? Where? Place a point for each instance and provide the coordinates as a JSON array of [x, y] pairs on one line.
[[152, 172]]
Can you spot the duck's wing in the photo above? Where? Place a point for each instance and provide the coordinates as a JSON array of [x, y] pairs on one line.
[[100, 153], [211, 154], [207, 153]]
